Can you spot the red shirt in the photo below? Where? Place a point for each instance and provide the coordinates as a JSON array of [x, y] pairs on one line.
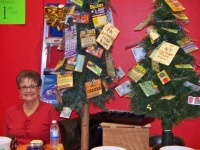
[[36, 126]]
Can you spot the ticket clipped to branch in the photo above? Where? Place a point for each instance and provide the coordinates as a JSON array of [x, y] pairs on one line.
[[123, 88]]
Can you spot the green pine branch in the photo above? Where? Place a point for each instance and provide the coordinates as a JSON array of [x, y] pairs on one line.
[[75, 97], [173, 111]]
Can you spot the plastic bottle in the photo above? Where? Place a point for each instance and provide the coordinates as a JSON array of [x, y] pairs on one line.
[[54, 134]]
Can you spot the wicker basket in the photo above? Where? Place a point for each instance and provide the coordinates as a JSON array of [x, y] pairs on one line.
[[129, 137]]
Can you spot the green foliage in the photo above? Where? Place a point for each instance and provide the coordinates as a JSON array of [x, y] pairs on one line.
[[75, 97], [173, 111]]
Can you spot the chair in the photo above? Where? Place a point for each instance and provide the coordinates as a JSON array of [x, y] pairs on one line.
[[157, 139]]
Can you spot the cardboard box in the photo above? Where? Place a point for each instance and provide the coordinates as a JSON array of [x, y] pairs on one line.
[[130, 137]]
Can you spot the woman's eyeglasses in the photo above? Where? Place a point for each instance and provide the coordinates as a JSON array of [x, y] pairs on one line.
[[31, 87]]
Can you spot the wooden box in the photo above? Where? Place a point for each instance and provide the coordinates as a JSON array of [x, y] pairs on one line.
[[129, 137]]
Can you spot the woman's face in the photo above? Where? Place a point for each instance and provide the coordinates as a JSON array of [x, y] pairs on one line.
[[29, 90]]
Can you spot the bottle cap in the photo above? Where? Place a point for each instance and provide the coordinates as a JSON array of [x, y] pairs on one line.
[[54, 121]]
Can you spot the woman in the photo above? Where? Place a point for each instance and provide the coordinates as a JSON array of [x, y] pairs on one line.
[[32, 119]]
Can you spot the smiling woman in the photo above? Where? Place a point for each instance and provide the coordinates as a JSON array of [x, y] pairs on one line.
[[32, 119], [29, 83], [21, 47]]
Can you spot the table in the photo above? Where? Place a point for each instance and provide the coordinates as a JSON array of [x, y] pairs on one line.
[[23, 147], [47, 147], [150, 148]]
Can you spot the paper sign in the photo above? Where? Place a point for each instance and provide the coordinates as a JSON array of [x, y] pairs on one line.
[[107, 36], [80, 60], [193, 87], [12, 12], [144, 22], [81, 17], [163, 76], [95, 51], [120, 73], [170, 30], [152, 31], [94, 68], [138, 53], [149, 88], [155, 66], [109, 17], [168, 97], [70, 64], [110, 65], [175, 5], [165, 53], [93, 88], [70, 41], [186, 66], [124, 88], [99, 20], [137, 72], [66, 112], [78, 2], [193, 100], [87, 38], [64, 80], [180, 16], [97, 8], [187, 45]]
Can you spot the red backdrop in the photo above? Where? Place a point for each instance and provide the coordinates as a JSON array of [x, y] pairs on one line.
[[21, 48]]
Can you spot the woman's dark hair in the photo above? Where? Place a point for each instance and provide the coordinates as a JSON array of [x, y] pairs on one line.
[[30, 74]]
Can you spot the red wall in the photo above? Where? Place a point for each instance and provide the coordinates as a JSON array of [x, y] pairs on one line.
[[21, 48]]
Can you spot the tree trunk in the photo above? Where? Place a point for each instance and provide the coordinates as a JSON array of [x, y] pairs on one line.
[[85, 127], [167, 135], [167, 138]]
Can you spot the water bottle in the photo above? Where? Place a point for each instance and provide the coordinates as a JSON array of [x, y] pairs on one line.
[[54, 134]]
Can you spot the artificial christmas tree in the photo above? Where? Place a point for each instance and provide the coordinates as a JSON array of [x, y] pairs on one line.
[[86, 73], [165, 84]]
